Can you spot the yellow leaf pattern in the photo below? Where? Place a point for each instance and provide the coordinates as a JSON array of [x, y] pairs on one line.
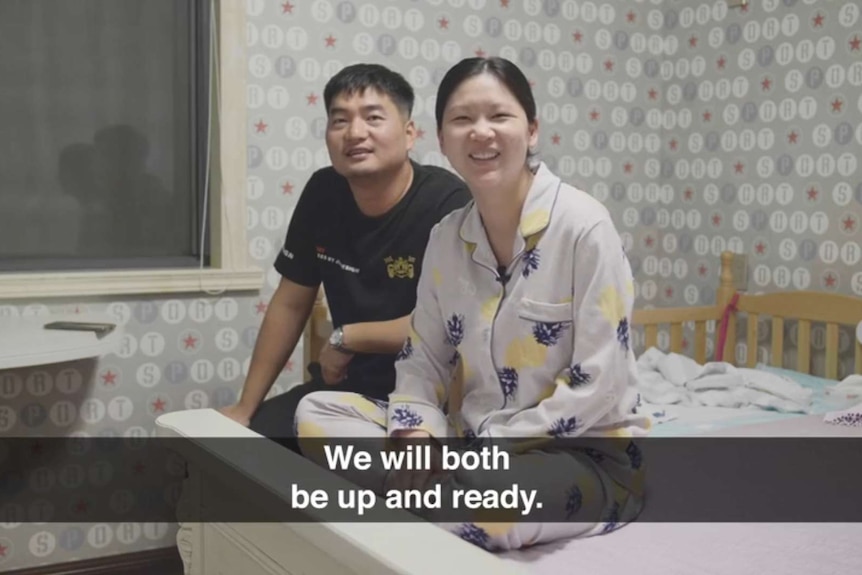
[[618, 432], [611, 305], [503, 520], [489, 308], [440, 390], [548, 391], [525, 352], [466, 371], [307, 428], [533, 241], [534, 222]]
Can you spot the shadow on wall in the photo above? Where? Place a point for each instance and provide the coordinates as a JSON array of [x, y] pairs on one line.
[[108, 205], [124, 211]]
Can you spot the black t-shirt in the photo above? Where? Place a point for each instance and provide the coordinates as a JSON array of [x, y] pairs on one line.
[[369, 266]]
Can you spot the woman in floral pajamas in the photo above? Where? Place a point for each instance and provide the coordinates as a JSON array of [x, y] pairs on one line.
[[529, 289]]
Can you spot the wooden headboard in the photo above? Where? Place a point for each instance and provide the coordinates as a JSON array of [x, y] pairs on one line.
[[803, 307]]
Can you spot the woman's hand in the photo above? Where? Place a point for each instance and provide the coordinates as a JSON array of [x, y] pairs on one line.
[[404, 478]]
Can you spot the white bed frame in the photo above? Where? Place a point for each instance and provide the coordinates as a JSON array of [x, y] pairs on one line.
[[410, 547], [280, 548]]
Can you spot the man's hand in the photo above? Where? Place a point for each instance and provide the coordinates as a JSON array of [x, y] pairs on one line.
[[333, 364], [238, 413], [401, 479]]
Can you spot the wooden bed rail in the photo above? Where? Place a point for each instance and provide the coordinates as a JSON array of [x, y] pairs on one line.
[[805, 308], [676, 318], [783, 308]]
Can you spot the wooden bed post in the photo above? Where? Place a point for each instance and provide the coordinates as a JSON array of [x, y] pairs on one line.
[[725, 293], [316, 331]]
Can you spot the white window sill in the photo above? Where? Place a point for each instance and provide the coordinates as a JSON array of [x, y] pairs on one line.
[[74, 284]]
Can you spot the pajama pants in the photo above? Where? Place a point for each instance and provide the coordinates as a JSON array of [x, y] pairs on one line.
[[578, 494], [275, 418]]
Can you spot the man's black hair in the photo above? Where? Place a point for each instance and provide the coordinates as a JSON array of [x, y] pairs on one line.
[[357, 78]]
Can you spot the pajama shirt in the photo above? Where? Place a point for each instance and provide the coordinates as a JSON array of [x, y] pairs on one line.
[[545, 352]]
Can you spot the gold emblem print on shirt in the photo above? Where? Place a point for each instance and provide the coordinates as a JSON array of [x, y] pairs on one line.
[[400, 267]]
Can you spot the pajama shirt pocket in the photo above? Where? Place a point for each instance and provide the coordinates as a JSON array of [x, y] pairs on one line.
[[544, 312]]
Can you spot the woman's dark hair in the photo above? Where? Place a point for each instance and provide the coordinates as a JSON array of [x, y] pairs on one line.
[[504, 70], [359, 77]]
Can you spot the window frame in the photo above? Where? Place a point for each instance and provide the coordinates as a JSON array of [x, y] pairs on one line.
[[229, 268]]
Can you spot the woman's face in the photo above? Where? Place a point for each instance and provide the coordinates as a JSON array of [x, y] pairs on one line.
[[485, 134]]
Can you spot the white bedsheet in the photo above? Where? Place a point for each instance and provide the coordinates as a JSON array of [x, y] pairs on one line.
[[705, 549]]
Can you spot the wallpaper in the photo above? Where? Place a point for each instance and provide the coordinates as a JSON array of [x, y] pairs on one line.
[[761, 127], [701, 127]]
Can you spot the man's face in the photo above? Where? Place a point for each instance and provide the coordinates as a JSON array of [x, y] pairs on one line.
[[367, 134]]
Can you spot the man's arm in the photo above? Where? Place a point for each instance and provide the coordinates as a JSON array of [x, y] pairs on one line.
[[283, 324], [366, 337], [377, 336]]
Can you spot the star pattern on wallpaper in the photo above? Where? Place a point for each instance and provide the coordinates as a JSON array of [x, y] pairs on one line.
[[701, 129]]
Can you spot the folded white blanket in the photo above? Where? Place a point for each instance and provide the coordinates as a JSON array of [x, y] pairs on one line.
[[648, 360], [767, 401], [776, 385], [657, 390], [849, 388], [671, 378], [722, 398], [678, 369], [715, 380]]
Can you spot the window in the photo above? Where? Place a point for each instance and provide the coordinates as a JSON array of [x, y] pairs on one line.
[[110, 142]]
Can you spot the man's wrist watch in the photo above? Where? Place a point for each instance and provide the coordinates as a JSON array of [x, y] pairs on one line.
[[336, 340]]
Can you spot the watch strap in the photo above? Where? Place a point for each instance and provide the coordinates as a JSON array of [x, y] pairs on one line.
[[336, 340]]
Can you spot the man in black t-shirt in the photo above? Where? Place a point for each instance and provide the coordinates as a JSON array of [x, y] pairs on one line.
[[360, 228]]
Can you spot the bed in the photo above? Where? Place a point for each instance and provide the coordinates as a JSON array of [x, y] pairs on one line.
[[718, 334]]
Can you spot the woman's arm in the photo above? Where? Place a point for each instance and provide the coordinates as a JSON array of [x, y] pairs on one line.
[[425, 365]]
